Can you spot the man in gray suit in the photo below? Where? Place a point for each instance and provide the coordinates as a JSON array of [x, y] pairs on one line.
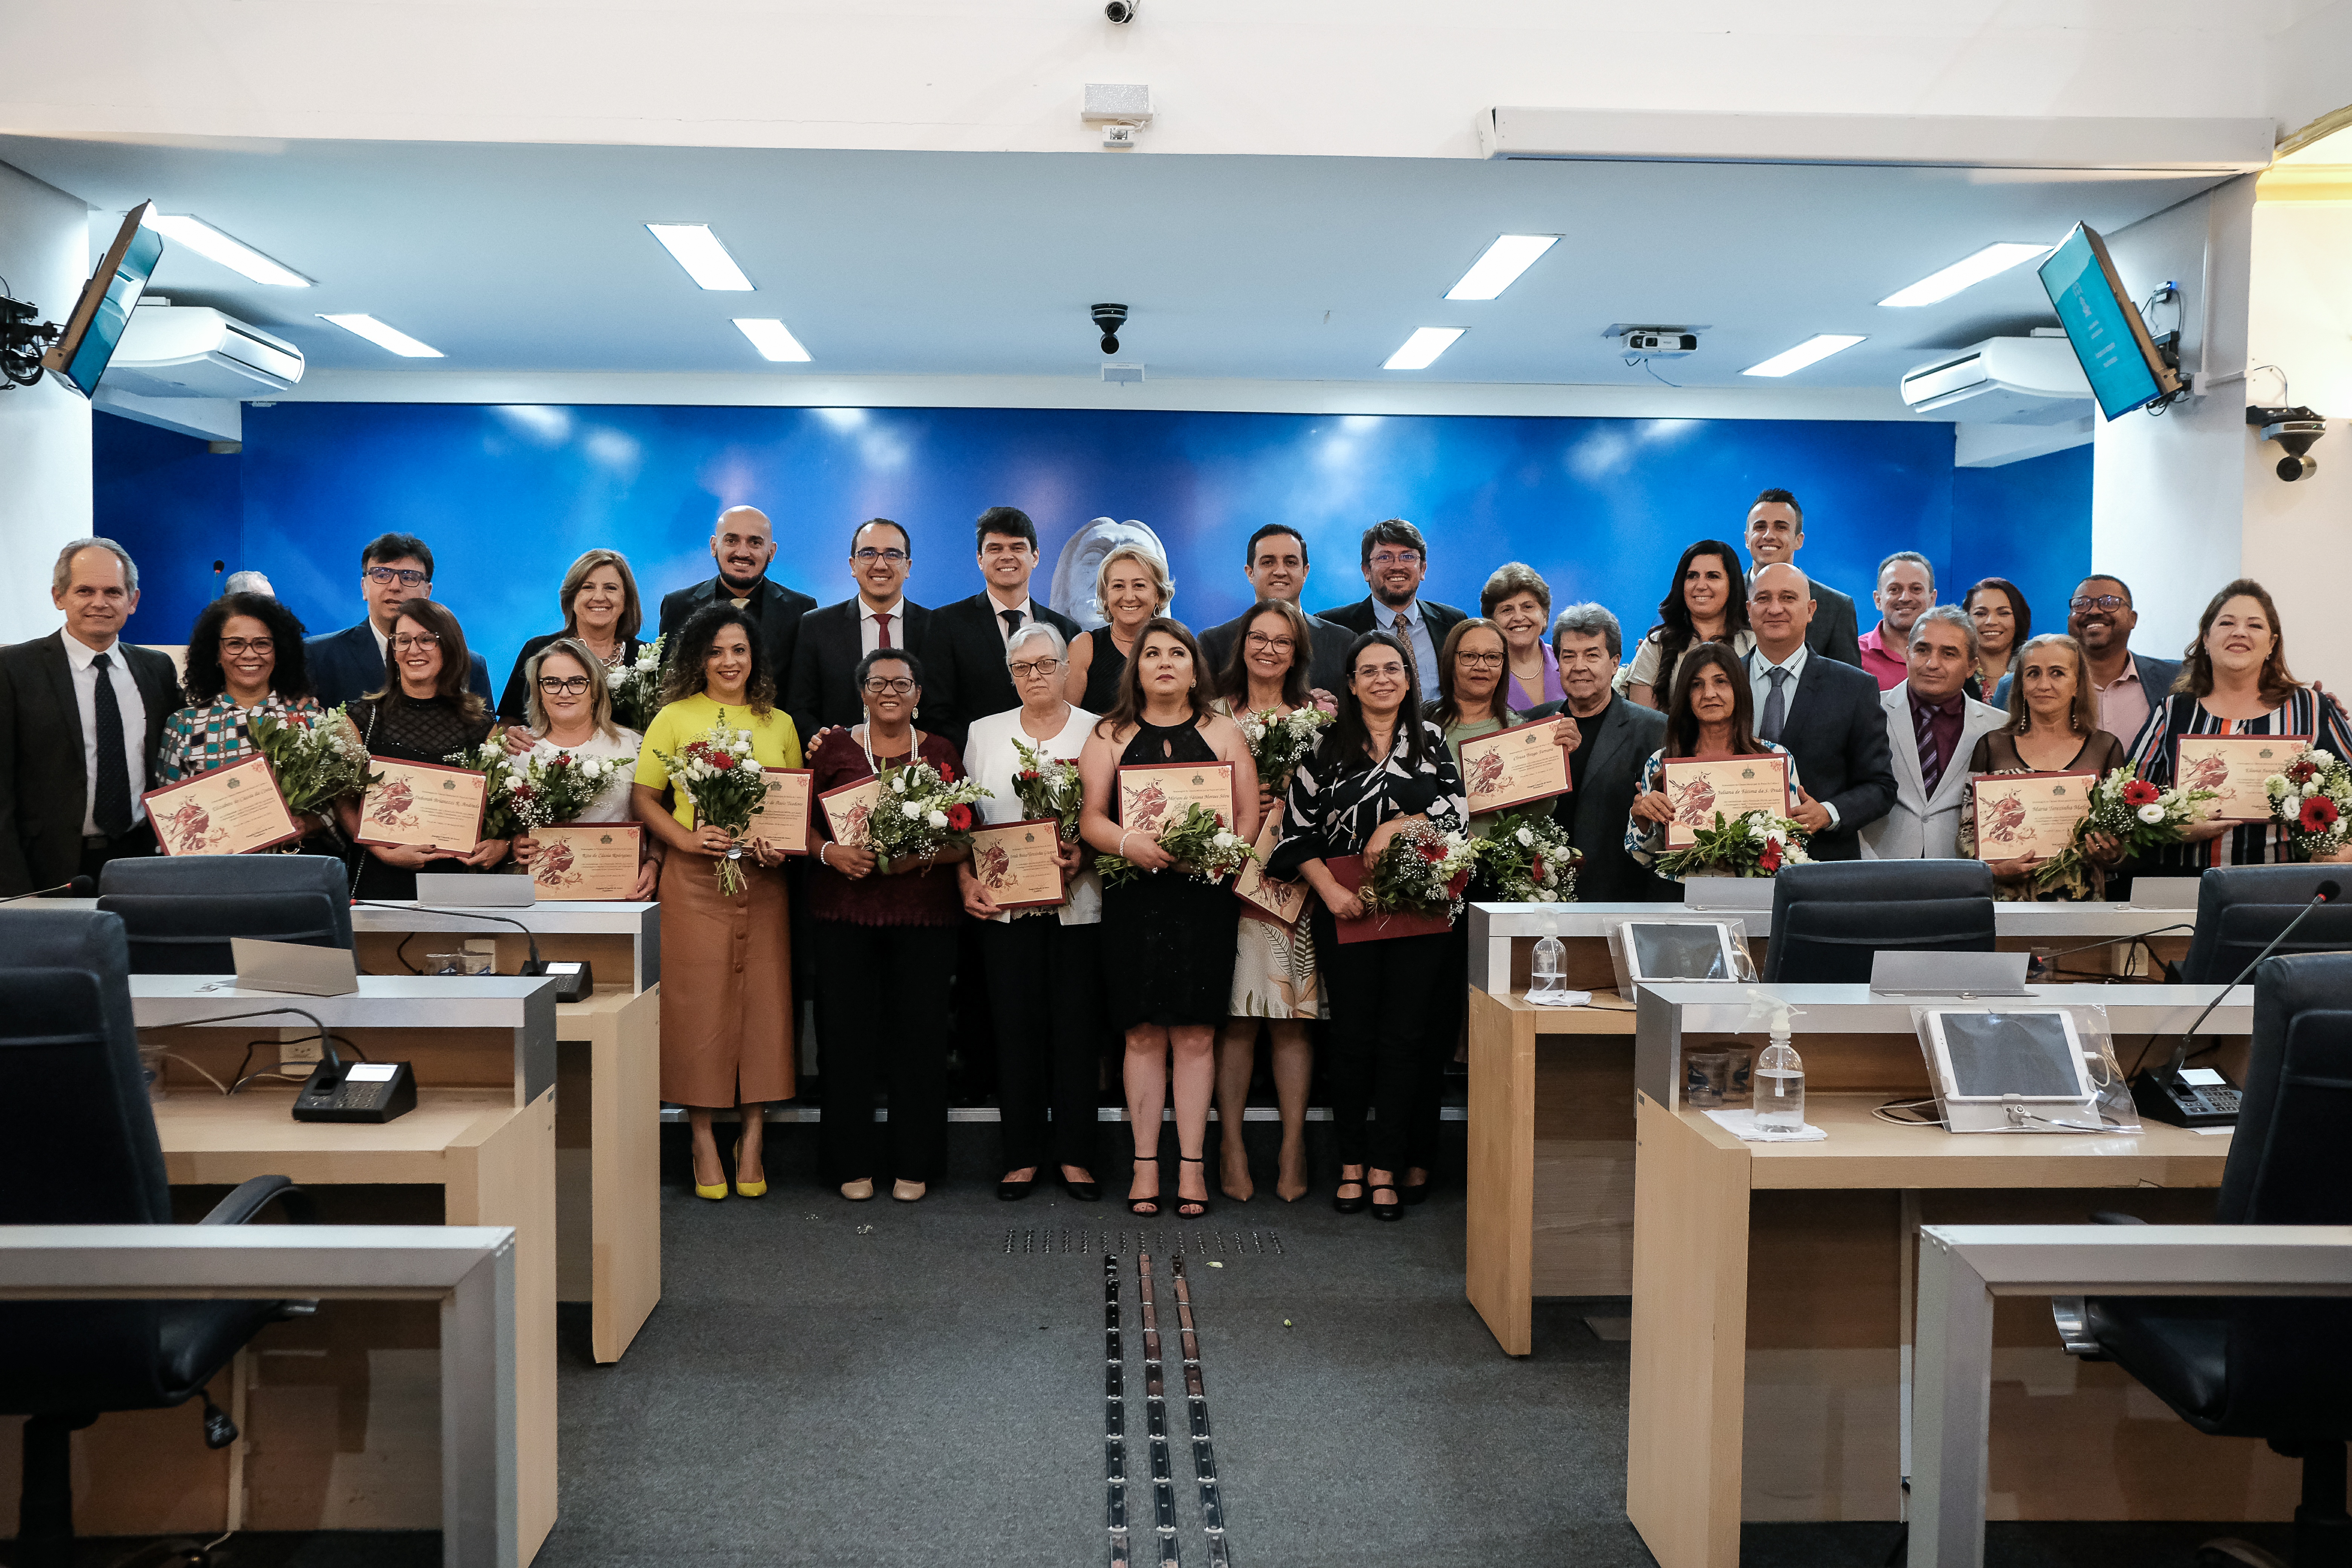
[[1932, 730], [1775, 532], [1615, 738]]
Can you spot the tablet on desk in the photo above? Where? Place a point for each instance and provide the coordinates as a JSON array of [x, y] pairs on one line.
[[2021, 1068], [1679, 949]]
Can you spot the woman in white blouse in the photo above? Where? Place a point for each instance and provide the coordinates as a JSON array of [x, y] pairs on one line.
[[1043, 967], [572, 711]]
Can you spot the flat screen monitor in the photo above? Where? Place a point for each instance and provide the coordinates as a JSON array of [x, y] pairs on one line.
[[1679, 949], [99, 316], [2032, 1056], [2118, 356]]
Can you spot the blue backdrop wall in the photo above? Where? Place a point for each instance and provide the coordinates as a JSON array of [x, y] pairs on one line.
[[508, 495]]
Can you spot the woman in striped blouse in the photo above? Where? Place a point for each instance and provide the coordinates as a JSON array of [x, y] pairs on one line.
[[2234, 681]]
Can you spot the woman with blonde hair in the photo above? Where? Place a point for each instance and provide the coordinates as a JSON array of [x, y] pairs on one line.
[[572, 711], [601, 612], [1133, 586]]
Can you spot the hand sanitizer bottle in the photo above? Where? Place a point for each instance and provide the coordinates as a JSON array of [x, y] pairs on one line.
[[1779, 1083], [1545, 983]]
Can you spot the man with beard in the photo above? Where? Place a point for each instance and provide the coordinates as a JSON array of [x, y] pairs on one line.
[[742, 545], [1396, 559], [822, 690], [2126, 684]]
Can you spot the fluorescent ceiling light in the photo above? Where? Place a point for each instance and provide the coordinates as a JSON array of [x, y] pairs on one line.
[[772, 339], [698, 251], [234, 254], [1421, 350], [391, 338], [1818, 347], [1989, 262], [1501, 266]]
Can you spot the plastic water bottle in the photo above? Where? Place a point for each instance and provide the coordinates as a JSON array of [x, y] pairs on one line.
[[1779, 1087], [1545, 983]]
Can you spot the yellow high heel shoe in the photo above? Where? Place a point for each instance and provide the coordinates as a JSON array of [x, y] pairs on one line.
[[744, 1189], [713, 1194]]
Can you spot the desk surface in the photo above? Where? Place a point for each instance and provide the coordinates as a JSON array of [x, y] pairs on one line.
[[554, 917], [383, 1001], [2086, 922], [1722, 1007], [212, 1139]]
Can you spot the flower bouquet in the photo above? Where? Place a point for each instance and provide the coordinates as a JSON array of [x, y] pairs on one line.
[[1278, 742], [1047, 787], [316, 764], [497, 770], [2134, 812], [541, 790], [922, 810], [1527, 857], [1421, 872], [1754, 844], [636, 689], [716, 772], [1199, 843], [2310, 798]]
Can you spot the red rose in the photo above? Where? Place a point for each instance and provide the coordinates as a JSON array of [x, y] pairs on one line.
[[1536, 869], [1770, 859], [2318, 815], [1026, 774], [1432, 853], [2139, 792], [959, 818], [2301, 772], [723, 761]]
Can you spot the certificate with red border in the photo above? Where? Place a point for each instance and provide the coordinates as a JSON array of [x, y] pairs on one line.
[[424, 804], [1732, 785], [1264, 898], [1015, 862], [2237, 766], [848, 810], [2029, 814], [782, 822], [1512, 767], [586, 861], [234, 810], [1348, 871], [1152, 796]]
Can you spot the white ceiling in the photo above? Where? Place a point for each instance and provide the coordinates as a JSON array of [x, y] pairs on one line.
[[529, 257]]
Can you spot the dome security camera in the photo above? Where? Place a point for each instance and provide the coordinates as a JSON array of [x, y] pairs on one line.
[[2294, 429], [1122, 11], [1109, 318]]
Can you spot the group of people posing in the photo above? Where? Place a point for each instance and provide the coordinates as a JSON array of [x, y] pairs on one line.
[[1881, 729]]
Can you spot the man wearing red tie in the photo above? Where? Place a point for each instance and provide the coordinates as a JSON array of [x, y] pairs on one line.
[[822, 690]]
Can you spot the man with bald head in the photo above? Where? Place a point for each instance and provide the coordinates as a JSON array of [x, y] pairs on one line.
[[742, 542], [1824, 712]]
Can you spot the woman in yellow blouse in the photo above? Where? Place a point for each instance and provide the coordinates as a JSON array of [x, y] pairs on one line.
[[726, 1006]]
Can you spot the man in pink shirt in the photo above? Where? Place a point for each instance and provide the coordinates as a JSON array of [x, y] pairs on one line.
[[1907, 585]]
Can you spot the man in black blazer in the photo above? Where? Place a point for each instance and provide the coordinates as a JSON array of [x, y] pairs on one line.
[[742, 542], [2126, 685], [347, 665], [1775, 532], [1618, 737], [82, 718], [1827, 713], [822, 690], [1396, 559], [1275, 562], [964, 673]]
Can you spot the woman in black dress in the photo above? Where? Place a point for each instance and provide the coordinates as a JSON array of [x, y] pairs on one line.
[[601, 610], [423, 714], [1132, 587], [1168, 937]]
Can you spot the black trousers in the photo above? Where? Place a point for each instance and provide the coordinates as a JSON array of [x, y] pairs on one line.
[[1376, 1046], [1044, 998], [1449, 996], [140, 841], [882, 1014]]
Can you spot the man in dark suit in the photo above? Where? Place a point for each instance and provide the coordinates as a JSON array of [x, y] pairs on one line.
[[2127, 685], [822, 690], [1396, 558], [742, 542], [347, 665], [1826, 712], [1616, 738], [81, 716], [1275, 562], [964, 674], [1775, 532]]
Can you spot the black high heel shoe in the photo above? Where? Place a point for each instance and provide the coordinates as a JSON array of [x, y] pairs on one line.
[[1145, 1209], [1191, 1208], [1394, 1211], [1354, 1204]]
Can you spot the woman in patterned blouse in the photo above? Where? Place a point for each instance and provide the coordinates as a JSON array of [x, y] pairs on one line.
[[244, 657], [1379, 767]]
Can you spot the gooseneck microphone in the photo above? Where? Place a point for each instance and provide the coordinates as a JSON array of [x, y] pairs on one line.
[[2324, 893], [79, 888], [537, 965]]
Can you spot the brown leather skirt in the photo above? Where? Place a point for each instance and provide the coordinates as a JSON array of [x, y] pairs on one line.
[[727, 987]]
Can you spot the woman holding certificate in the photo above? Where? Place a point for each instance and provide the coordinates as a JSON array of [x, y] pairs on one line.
[[422, 716], [1708, 604], [1712, 720], [1168, 934], [2233, 683], [727, 991], [571, 710], [886, 948], [244, 661], [1045, 960], [2054, 728], [1379, 768]]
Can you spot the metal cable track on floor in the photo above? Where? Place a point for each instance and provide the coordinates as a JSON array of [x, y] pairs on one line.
[[1109, 1242]]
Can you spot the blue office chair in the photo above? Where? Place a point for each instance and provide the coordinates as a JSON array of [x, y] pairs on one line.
[[179, 911], [2239, 908], [1831, 917], [77, 1146], [2268, 1367]]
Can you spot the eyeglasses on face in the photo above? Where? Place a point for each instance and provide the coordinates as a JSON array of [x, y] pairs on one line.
[[408, 640], [1035, 667], [880, 685], [406, 576], [1274, 645], [1396, 558], [2101, 602], [1480, 660], [569, 685], [869, 555], [1372, 671], [234, 646]]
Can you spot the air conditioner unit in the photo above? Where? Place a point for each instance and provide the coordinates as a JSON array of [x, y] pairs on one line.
[[2003, 381], [188, 350]]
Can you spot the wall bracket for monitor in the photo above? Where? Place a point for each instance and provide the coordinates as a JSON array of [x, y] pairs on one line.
[[23, 342]]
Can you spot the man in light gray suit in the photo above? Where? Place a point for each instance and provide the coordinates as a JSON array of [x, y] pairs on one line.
[[1932, 729]]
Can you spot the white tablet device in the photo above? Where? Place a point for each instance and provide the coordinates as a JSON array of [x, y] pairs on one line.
[[1678, 949], [2021, 1055]]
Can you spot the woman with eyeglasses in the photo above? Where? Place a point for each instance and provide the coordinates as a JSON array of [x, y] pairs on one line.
[[571, 710], [1043, 967], [1132, 587], [423, 713], [727, 963], [600, 612], [1708, 604], [1275, 979], [245, 660], [885, 955]]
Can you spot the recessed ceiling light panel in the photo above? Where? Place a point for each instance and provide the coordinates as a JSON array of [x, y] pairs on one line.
[[772, 339], [1421, 350], [197, 235], [1500, 267], [706, 260], [1813, 350], [383, 337], [1989, 262]]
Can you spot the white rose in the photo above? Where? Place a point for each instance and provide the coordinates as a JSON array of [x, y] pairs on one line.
[[1527, 836], [899, 782], [911, 810], [1226, 840], [2151, 814], [938, 819]]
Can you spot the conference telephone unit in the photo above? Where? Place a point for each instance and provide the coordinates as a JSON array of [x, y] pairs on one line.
[[356, 1092], [2187, 1097]]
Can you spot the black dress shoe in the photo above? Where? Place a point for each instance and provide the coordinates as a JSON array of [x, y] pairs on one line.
[[1354, 1204], [1013, 1192], [1391, 1212], [1084, 1192], [1416, 1192]]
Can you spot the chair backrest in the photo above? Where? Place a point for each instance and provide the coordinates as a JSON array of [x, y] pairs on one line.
[[77, 1146], [2239, 908], [179, 911], [1829, 918]]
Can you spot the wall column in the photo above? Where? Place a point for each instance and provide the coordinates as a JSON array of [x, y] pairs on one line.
[[45, 479]]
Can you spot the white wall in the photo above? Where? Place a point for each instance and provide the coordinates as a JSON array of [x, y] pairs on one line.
[[44, 429]]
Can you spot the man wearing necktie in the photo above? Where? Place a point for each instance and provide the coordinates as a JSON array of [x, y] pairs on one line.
[[965, 674], [1932, 729], [82, 714], [1824, 712], [821, 690], [1396, 560]]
